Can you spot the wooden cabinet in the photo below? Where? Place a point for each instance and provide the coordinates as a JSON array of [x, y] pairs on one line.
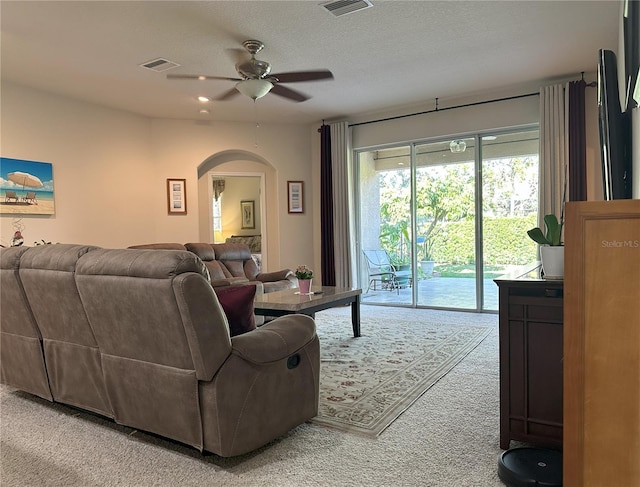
[[602, 344], [530, 323]]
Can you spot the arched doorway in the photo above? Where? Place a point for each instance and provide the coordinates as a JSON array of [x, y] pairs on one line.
[[236, 166]]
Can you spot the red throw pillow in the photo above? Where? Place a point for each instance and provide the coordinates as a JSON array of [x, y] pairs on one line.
[[237, 303]]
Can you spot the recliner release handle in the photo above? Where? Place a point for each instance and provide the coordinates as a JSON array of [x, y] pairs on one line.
[[293, 361]]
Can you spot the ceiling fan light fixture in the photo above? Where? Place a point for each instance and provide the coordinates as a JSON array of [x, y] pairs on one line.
[[457, 146], [254, 88]]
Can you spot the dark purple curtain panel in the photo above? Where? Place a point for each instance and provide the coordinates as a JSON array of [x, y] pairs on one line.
[[327, 257], [577, 142]]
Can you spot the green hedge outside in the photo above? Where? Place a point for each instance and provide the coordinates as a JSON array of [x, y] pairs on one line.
[[505, 242]]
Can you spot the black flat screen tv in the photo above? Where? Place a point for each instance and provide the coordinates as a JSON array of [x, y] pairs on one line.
[[615, 130], [631, 32]]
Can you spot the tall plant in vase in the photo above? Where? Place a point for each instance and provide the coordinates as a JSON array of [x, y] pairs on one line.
[[551, 245]]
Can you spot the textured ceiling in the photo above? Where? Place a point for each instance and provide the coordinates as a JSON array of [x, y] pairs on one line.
[[397, 53]]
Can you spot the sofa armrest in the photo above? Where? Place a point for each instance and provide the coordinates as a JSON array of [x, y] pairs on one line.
[[220, 283], [259, 287], [276, 340], [274, 276]]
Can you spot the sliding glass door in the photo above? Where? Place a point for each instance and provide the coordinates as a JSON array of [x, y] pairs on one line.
[[509, 206], [385, 216], [449, 216], [445, 224]]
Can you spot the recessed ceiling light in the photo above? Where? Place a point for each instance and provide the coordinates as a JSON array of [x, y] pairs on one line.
[[204, 111], [204, 99], [202, 78]]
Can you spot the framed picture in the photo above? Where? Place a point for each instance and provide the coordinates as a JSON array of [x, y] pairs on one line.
[[177, 196], [296, 202], [247, 210], [26, 187]]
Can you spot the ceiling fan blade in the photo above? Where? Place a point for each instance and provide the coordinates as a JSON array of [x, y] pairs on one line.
[[200, 77], [227, 95], [295, 76], [288, 93]]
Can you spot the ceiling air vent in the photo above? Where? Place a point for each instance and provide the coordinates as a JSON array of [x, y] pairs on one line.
[[344, 7], [159, 65]]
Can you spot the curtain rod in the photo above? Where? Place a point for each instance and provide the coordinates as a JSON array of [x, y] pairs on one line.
[[436, 109], [466, 105]]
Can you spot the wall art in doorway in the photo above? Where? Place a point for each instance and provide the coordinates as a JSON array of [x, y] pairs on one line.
[[247, 209]]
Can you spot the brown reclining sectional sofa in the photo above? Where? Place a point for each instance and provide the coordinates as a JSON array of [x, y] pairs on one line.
[[140, 337]]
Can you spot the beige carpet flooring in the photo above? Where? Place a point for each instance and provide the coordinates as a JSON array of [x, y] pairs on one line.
[[448, 437]]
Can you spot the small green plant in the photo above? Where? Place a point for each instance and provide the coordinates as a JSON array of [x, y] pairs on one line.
[[395, 239], [303, 272], [427, 250], [554, 232]]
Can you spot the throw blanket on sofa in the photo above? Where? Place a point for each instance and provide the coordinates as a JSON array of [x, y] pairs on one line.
[[254, 242]]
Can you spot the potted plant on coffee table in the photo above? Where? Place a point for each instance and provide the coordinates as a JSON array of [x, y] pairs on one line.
[[305, 276], [551, 247]]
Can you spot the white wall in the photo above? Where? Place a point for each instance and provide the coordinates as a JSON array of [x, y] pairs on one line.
[[101, 168], [179, 147], [110, 167], [477, 118], [110, 170], [448, 121]]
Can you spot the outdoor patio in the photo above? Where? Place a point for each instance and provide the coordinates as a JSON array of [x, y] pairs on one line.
[[440, 292]]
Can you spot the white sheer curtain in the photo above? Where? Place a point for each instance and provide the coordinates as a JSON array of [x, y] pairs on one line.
[[340, 157], [554, 151]]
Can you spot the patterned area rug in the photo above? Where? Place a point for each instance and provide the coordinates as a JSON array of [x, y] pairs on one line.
[[367, 382]]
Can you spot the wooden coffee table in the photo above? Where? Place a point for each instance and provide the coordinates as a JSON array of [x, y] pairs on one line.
[[287, 302]]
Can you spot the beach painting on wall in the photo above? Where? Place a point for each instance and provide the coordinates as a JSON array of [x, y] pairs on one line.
[[26, 187]]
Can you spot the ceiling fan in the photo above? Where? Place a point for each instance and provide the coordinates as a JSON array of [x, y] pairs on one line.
[[256, 80]]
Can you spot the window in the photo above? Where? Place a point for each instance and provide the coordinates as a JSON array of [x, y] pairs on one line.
[[454, 212], [217, 218]]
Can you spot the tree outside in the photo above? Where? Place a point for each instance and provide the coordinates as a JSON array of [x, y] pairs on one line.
[[445, 214]]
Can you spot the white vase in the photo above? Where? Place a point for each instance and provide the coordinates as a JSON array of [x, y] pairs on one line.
[[427, 267], [552, 261]]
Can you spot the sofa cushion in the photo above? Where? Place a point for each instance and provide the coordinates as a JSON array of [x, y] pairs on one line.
[[237, 303], [216, 270], [159, 246], [22, 364], [202, 250], [251, 269], [231, 251], [68, 339], [235, 267]]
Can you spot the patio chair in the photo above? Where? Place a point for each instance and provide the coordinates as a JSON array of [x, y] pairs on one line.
[[380, 269], [31, 198], [11, 195]]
